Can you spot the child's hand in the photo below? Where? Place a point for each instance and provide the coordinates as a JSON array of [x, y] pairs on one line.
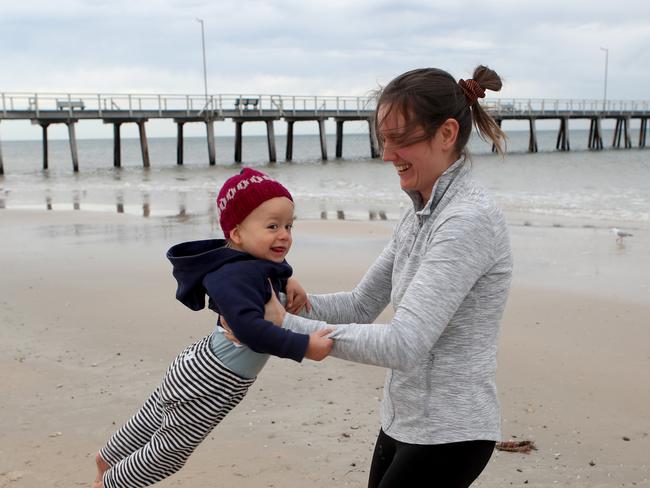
[[296, 297], [319, 346]]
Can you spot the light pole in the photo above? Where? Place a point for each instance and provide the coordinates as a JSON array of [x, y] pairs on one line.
[[605, 92], [205, 71]]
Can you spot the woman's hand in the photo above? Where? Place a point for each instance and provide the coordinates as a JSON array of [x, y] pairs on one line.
[[296, 297], [274, 311], [228, 331]]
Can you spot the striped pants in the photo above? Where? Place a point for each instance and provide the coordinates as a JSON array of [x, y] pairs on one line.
[[196, 393]]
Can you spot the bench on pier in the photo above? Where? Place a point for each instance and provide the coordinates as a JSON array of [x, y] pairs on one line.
[[499, 107], [72, 104], [507, 107], [245, 102]]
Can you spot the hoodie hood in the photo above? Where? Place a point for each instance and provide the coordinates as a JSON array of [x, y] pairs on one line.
[[193, 260]]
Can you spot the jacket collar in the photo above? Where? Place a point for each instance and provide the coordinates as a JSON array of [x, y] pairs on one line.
[[440, 188]]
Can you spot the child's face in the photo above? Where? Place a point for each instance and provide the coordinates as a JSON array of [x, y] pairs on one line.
[[266, 232]]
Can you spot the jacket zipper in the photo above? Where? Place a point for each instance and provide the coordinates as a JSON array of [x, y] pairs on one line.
[[416, 233]]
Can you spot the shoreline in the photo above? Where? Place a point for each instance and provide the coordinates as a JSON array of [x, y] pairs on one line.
[[89, 324], [371, 214]]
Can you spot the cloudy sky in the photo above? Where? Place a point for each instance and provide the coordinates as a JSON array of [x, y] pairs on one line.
[[543, 49]]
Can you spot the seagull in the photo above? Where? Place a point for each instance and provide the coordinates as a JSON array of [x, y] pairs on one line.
[[620, 234]]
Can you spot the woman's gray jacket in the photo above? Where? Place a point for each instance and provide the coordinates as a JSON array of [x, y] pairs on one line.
[[446, 271]]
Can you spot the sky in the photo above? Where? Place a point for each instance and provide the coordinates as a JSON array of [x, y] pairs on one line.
[[542, 49]]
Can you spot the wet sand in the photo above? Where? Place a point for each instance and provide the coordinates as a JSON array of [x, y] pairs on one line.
[[88, 324]]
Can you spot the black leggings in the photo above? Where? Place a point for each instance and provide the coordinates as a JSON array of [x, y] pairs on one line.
[[455, 465]]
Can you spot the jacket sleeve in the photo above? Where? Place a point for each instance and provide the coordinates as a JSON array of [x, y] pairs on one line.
[[459, 254], [240, 294]]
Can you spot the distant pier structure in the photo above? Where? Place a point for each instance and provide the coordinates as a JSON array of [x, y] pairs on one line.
[[45, 109]]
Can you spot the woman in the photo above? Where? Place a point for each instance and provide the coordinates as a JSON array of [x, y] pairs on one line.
[[447, 272]]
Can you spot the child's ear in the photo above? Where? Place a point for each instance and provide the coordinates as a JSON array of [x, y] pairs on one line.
[[235, 236]]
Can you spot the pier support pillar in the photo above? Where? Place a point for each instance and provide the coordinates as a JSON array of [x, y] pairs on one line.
[[209, 127], [374, 144], [616, 141], [599, 133], [499, 122], [238, 131], [595, 134], [323, 139], [44, 125], [2, 168], [289, 151], [117, 145], [73, 145], [532, 141], [179, 144], [626, 132], [144, 146], [643, 131], [563, 143], [270, 137], [621, 131], [339, 139]]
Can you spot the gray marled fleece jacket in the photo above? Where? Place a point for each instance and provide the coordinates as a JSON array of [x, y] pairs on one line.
[[447, 272]]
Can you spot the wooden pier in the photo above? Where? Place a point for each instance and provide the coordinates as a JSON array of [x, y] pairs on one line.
[[46, 109]]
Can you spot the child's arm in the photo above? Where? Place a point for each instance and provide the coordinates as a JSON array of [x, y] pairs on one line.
[[319, 346], [240, 292]]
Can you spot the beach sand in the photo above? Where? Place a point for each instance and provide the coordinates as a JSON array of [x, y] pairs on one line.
[[89, 323]]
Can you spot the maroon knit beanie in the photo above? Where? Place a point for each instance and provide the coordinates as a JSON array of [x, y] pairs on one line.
[[243, 193]]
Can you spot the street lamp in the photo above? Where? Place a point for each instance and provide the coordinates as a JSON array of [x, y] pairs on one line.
[[205, 71], [605, 93]]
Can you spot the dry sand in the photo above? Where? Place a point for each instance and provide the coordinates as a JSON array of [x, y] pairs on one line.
[[88, 324]]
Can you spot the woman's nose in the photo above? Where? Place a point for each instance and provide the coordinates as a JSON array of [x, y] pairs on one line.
[[388, 153]]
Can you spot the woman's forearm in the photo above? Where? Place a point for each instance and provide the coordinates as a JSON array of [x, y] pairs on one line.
[[343, 308], [377, 344]]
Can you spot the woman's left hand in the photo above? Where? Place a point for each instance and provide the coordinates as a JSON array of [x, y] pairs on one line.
[[228, 331], [296, 297], [274, 311]]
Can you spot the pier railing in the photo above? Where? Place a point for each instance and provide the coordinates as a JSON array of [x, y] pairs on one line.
[[80, 103], [567, 107], [160, 105]]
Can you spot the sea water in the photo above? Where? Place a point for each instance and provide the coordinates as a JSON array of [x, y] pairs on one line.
[[599, 188]]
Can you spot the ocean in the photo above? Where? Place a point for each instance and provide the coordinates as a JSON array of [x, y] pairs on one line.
[[575, 188]]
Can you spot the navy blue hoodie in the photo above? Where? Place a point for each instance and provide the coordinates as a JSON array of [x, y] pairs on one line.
[[237, 285]]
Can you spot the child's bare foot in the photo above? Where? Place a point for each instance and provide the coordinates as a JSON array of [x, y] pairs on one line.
[[102, 466]]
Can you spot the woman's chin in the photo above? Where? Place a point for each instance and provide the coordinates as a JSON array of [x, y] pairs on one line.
[[405, 184]]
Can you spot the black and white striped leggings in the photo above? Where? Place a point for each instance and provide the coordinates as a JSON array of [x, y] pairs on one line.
[[196, 393]]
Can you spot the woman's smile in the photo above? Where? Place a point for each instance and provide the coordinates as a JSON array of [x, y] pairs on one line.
[[402, 167]]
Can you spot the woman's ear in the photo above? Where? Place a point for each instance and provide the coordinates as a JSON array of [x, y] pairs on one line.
[[449, 133]]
